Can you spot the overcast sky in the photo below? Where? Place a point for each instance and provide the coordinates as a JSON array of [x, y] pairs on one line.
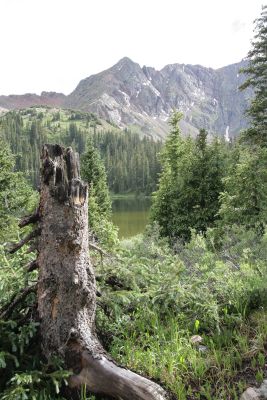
[[53, 44]]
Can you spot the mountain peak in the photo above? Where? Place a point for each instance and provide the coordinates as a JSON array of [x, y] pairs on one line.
[[127, 64], [125, 60]]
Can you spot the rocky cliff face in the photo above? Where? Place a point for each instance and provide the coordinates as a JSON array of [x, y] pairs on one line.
[[128, 95]]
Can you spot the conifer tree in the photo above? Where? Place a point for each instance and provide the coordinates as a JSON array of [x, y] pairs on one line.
[[171, 202], [93, 172], [15, 194], [208, 169], [244, 200], [99, 206], [190, 184], [257, 79]]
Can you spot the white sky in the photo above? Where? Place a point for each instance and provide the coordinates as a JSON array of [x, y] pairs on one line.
[[53, 44]]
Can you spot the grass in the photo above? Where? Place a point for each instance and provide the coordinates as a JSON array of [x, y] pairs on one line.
[[230, 360]]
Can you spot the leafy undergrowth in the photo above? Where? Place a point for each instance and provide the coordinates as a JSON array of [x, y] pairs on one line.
[[24, 373], [153, 301]]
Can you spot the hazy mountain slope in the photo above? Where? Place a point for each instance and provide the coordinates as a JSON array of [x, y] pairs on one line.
[[14, 101]]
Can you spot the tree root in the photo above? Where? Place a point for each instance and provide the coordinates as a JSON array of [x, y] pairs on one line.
[[103, 376]]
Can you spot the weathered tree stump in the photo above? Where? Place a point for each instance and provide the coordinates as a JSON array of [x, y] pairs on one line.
[[66, 286]]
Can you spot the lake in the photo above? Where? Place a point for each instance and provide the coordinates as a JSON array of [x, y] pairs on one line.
[[131, 215]]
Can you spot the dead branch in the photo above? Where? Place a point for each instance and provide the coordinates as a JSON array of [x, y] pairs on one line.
[[33, 265], [30, 219], [97, 248], [25, 240], [7, 309], [103, 252]]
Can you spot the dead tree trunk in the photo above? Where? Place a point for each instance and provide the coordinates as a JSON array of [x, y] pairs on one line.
[[66, 287]]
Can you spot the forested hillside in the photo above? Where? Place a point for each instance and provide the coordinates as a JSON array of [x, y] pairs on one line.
[[27, 130], [131, 161]]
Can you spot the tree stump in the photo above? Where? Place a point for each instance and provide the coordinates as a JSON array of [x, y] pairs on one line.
[[66, 286]]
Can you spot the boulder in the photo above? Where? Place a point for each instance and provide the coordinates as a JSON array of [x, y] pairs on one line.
[[250, 394]]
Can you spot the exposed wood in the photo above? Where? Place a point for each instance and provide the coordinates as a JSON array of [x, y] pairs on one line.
[[67, 288], [18, 298], [103, 376], [25, 240], [30, 219]]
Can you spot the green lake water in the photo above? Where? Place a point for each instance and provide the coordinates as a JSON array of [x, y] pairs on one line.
[[130, 215]]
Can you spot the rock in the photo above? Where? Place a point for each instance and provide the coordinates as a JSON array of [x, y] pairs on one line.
[[263, 389], [196, 339], [127, 94], [202, 349], [250, 394]]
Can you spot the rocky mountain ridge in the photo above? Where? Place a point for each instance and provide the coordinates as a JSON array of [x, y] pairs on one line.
[[143, 98], [19, 101]]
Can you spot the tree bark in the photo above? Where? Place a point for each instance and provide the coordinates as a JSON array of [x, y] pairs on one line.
[[66, 286]]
